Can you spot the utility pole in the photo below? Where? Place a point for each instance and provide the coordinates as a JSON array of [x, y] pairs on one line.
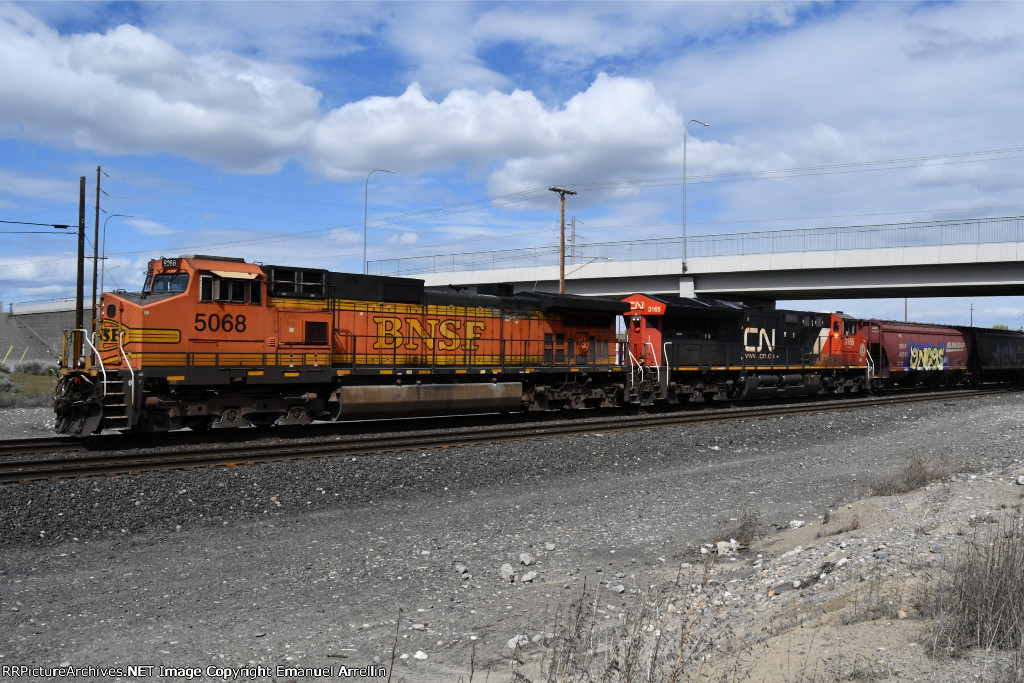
[[561, 243], [96, 248], [80, 287]]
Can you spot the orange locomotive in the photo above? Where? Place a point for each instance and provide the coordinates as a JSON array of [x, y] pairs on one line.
[[217, 342]]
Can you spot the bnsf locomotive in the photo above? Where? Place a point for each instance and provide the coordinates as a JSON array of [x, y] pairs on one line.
[[214, 342]]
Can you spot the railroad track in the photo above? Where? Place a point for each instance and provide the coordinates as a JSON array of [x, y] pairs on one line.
[[50, 444], [51, 468]]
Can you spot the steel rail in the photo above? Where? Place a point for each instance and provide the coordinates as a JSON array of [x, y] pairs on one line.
[[47, 444], [173, 458]]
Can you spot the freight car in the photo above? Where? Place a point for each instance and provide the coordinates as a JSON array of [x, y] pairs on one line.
[[912, 354], [692, 350], [214, 342], [994, 355]]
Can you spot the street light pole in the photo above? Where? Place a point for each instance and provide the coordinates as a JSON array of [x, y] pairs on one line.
[[103, 258], [366, 192], [685, 129], [596, 258]]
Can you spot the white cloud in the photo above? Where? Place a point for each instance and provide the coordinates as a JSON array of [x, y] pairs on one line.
[[617, 126], [147, 227], [345, 237], [43, 292], [18, 183], [403, 238], [127, 91]]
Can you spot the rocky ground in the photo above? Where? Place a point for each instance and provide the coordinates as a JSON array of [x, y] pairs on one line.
[[489, 563]]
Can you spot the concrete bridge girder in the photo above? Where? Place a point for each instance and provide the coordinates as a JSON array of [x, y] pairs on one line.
[[967, 270]]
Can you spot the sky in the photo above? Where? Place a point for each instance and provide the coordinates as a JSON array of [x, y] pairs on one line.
[[265, 130]]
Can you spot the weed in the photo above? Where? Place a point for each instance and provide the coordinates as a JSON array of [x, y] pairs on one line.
[[743, 529], [25, 391], [882, 599], [981, 602], [852, 525], [35, 367], [918, 473], [669, 636]]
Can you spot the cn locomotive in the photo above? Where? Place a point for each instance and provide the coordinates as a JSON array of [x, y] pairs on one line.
[[214, 342]]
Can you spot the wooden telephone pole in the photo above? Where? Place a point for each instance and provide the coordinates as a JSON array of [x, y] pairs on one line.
[[76, 336], [561, 244]]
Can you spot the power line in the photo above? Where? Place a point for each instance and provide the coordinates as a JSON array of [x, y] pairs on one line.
[[51, 225], [536, 193]]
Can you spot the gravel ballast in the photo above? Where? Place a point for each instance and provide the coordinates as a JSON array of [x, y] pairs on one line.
[[309, 563]]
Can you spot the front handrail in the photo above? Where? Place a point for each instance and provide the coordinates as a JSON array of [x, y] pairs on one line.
[[668, 368], [96, 354], [131, 372], [654, 355], [634, 364]]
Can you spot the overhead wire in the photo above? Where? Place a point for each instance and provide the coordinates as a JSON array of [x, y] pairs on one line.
[[538, 192]]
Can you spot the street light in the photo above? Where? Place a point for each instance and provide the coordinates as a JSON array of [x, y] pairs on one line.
[[596, 258], [103, 272], [366, 191], [685, 129]]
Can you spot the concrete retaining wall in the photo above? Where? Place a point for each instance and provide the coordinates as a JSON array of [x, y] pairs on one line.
[[36, 336]]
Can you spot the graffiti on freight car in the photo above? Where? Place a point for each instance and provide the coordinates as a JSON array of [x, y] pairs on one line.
[[1008, 355], [926, 357]]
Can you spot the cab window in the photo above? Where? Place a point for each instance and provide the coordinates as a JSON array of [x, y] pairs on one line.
[[169, 282], [229, 290]]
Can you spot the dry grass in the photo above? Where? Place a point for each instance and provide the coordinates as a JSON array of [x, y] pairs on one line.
[[743, 529], [980, 604], [839, 527], [666, 637], [918, 473]]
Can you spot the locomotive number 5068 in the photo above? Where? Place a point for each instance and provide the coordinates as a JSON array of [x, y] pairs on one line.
[[215, 322]]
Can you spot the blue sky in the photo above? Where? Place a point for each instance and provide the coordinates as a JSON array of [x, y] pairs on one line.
[[248, 129]]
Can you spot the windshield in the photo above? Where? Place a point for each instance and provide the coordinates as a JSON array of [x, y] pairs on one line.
[[169, 282]]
